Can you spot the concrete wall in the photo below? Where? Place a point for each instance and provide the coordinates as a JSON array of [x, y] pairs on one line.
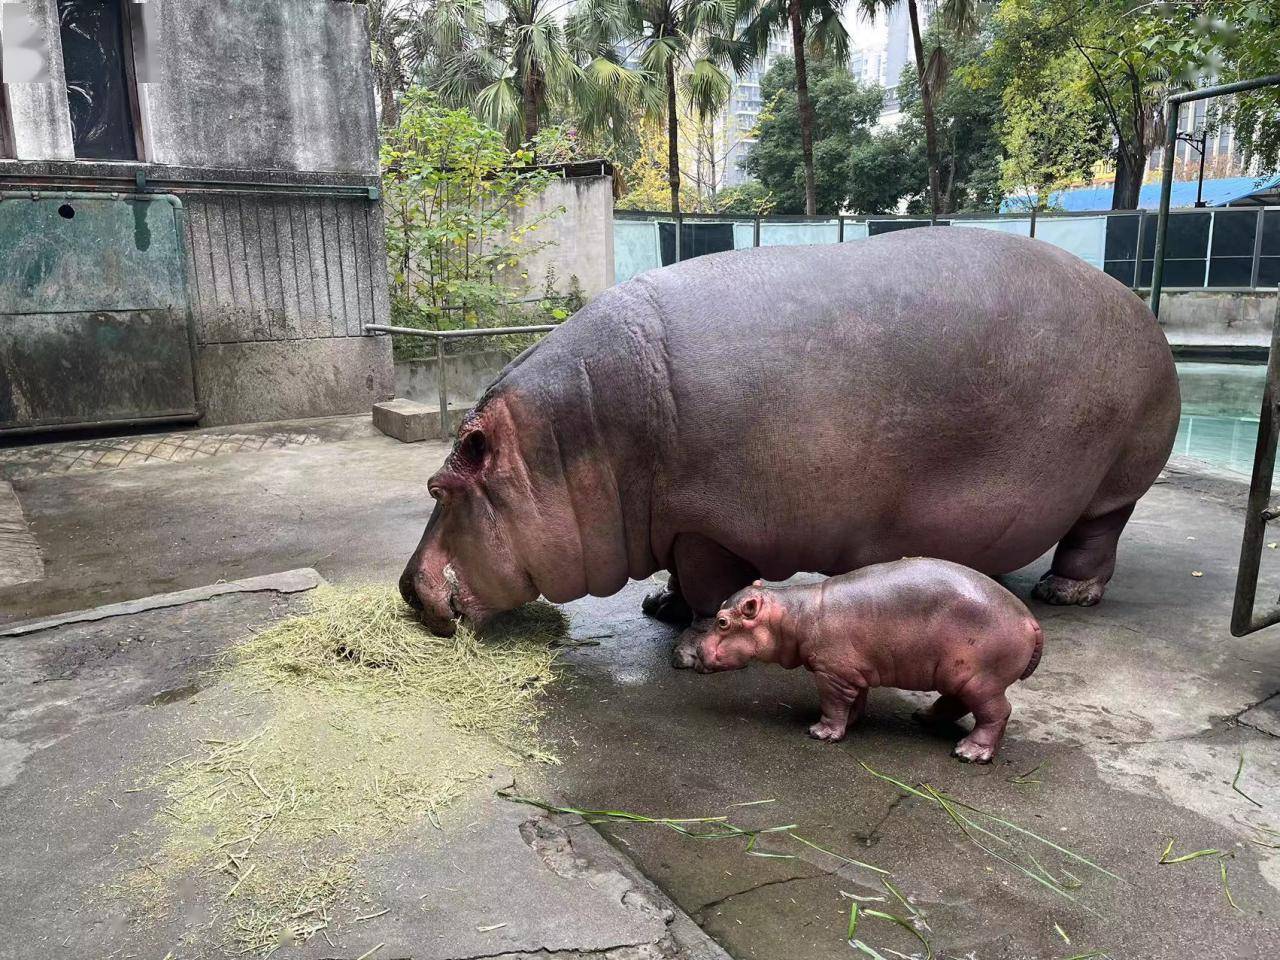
[[260, 117], [40, 118], [467, 374], [280, 85], [1217, 317], [579, 241]]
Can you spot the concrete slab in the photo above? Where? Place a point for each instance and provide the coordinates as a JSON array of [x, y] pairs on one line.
[[407, 420], [20, 560], [92, 704]]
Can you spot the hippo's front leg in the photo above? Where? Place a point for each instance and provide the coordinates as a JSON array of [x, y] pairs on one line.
[[842, 704]]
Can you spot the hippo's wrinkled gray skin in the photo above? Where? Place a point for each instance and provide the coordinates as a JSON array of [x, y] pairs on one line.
[[916, 623], [961, 394]]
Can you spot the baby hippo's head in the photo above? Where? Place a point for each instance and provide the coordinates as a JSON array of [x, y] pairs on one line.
[[742, 631]]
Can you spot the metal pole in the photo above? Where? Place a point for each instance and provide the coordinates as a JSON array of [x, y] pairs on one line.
[[755, 232], [840, 230], [1033, 222], [679, 231], [443, 385], [1137, 248], [1166, 187], [1258, 512], [1204, 145], [1257, 250]]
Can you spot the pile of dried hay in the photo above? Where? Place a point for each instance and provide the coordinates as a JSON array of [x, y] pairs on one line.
[[371, 723]]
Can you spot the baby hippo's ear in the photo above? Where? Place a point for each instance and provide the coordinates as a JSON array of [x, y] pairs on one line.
[[758, 583], [749, 608]]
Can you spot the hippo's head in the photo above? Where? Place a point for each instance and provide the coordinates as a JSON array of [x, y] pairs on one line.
[[466, 565], [741, 632], [505, 529]]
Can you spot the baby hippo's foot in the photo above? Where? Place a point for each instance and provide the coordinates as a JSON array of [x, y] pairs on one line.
[[828, 731], [971, 750], [667, 604], [1064, 592]]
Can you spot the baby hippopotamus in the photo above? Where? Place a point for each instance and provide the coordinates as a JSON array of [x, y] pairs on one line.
[[915, 624]]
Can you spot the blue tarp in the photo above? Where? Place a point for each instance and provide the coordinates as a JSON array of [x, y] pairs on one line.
[[1217, 193]]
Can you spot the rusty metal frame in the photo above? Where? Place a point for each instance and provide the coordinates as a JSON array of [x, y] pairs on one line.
[[1245, 619]]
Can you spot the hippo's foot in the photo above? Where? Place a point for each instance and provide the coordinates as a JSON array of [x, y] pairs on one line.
[[668, 605], [828, 731], [1065, 592], [971, 751]]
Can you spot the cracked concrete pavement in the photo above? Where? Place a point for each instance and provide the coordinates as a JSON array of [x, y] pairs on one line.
[[1134, 722], [94, 704]]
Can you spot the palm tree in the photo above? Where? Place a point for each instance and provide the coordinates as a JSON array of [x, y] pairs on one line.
[[816, 29], [674, 44], [959, 16]]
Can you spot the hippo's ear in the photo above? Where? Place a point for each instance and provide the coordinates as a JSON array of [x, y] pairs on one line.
[[472, 449], [758, 583], [749, 607]]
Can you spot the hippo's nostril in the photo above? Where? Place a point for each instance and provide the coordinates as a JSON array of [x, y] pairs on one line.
[[408, 592]]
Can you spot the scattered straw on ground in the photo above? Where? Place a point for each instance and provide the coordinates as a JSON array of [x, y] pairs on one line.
[[370, 724]]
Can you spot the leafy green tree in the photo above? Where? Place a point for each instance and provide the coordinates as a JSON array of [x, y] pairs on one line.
[[1240, 40], [751, 198], [452, 196], [679, 46], [816, 30], [1127, 55], [844, 111], [960, 17], [894, 165]]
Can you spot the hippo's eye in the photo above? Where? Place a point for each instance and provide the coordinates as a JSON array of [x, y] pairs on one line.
[[722, 622]]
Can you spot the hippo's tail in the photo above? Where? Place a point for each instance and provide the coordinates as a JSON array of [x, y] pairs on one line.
[[1035, 653]]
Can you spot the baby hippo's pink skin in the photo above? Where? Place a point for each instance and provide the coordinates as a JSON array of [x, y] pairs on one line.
[[915, 624]]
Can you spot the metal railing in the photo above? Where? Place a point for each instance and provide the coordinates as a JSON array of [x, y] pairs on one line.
[[440, 336], [1126, 242]]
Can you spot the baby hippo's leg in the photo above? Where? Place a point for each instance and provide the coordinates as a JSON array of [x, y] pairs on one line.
[[842, 703], [990, 714], [943, 712]]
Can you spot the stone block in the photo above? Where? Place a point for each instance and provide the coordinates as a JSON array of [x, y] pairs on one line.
[[407, 420]]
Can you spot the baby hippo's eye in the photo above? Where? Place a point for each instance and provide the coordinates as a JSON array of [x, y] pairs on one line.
[[722, 622]]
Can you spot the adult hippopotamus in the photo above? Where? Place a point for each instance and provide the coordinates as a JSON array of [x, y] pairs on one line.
[[961, 394]]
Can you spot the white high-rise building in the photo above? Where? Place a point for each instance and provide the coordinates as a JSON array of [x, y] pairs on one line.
[[881, 49]]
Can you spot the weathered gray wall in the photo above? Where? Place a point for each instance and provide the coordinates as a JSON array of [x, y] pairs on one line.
[[260, 117], [284, 268], [1217, 317], [467, 376], [579, 241], [280, 85], [41, 119]]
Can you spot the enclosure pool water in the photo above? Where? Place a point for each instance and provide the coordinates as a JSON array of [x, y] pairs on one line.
[[1219, 423]]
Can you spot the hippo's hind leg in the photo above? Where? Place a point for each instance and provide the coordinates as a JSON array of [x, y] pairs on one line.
[[990, 715], [1084, 560], [943, 712], [667, 603], [709, 574]]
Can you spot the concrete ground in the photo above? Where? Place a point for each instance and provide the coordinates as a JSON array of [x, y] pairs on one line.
[[1128, 736]]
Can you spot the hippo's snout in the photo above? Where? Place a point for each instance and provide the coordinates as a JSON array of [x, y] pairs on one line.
[[432, 606]]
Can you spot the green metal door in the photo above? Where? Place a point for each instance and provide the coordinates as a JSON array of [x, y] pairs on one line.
[[95, 322]]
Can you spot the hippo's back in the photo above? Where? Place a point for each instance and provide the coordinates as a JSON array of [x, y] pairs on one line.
[[948, 392]]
